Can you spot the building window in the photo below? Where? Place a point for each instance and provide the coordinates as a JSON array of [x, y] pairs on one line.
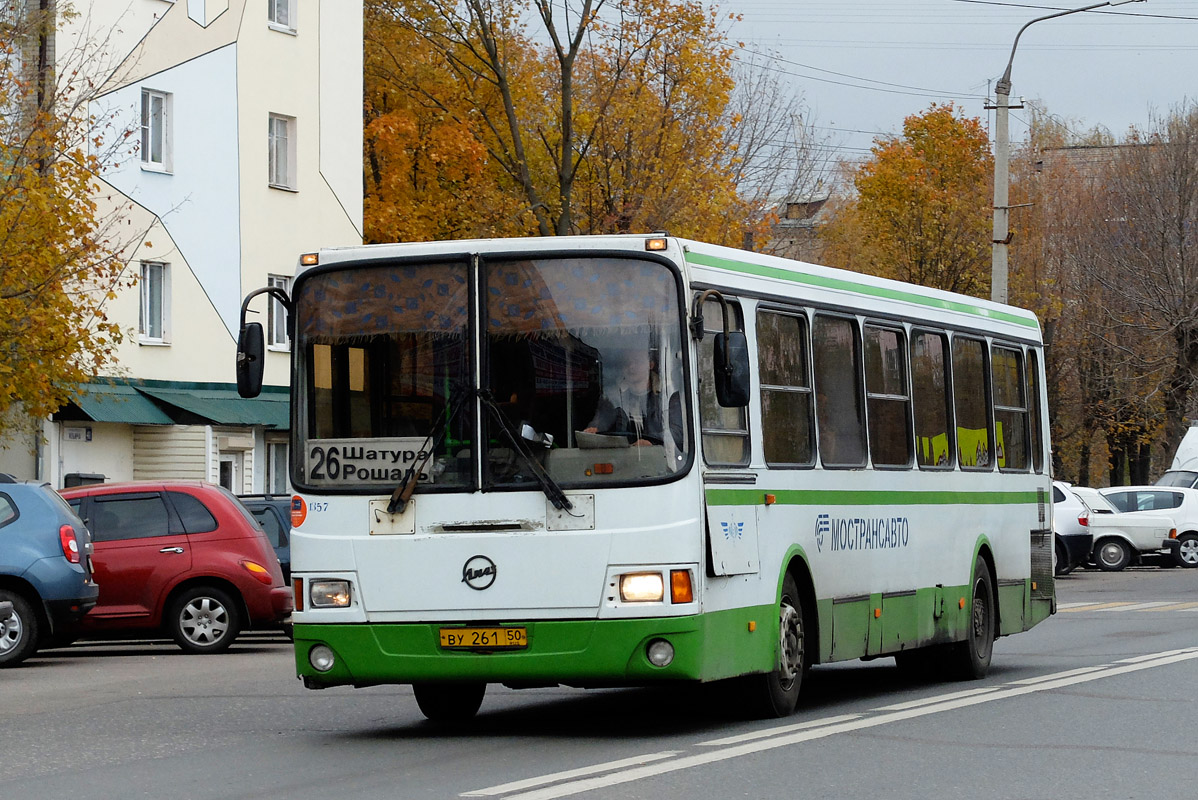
[[281, 134], [155, 130], [276, 333], [277, 481], [281, 15], [154, 312]]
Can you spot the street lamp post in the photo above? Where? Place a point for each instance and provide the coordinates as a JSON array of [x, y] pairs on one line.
[[1002, 175]]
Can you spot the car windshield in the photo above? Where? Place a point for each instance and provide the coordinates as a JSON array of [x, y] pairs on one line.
[[580, 373], [1180, 477]]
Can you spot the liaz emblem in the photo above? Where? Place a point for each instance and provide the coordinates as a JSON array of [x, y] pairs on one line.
[[733, 530], [479, 572]]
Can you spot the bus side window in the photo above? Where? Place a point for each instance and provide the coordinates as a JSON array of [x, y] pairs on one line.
[[888, 402], [1010, 408], [1033, 404], [840, 416], [972, 404], [725, 430], [785, 389], [931, 399]]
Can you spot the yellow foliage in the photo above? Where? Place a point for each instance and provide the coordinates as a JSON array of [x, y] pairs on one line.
[[466, 125], [921, 212], [57, 261]]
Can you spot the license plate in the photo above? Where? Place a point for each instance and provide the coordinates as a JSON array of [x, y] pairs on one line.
[[484, 638]]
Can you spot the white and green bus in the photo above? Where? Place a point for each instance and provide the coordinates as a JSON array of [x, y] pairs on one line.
[[626, 460]]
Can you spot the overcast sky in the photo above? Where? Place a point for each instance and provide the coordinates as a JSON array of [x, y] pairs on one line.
[[864, 65]]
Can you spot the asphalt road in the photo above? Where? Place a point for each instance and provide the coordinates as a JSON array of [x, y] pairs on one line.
[[1091, 704]]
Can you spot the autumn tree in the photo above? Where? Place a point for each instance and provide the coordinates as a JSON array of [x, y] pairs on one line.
[[492, 118], [1149, 255], [58, 262], [920, 208]]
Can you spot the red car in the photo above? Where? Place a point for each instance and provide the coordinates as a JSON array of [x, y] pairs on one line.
[[185, 557]]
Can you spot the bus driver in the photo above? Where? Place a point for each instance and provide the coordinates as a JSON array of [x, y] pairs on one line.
[[632, 405]]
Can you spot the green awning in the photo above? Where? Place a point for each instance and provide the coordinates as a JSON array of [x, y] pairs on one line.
[[178, 403], [119, 402], [223, 406]]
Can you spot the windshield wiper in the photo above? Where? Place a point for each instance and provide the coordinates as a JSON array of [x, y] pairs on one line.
[[549, 486], [403, 493]]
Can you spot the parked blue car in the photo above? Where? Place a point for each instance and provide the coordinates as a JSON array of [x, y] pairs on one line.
[[45, 568]]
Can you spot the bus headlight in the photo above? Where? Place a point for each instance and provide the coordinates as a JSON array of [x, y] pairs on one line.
[[642, 587], [329, 593]]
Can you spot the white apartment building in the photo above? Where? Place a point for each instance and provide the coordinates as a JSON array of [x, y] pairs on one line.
[[248, 116]]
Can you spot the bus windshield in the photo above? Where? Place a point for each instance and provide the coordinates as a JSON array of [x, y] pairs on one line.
[[580, 373]]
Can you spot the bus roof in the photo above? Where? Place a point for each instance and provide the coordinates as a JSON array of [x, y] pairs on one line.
[[741, 271]]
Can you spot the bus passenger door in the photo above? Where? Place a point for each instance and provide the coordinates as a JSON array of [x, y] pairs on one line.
[[731, 504]]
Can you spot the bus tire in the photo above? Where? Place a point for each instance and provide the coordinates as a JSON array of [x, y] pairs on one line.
[[970, 659], [449, 702], [776, 694]]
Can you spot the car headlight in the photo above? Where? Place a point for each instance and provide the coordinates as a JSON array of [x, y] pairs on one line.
[[642, 587], [328, 593]]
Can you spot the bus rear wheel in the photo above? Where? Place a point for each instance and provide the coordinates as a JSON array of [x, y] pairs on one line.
[[776, 694], [970, 659], [449, 702]]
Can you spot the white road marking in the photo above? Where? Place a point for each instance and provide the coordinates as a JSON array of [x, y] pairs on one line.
[[516, 786], [748, 737], [789, 735], [1058, 675], [939, 699], [1144, 606]]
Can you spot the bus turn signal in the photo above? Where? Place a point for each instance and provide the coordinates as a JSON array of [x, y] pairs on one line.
[[680, 586]]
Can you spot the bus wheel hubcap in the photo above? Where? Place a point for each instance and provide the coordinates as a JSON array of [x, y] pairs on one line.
[[790, 645]]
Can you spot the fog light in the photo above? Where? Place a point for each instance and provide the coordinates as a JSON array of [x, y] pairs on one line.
[[660, 653], [321, 658]]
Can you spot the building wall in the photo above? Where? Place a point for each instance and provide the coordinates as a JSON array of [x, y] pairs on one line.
[[91, 448], [170, 451]]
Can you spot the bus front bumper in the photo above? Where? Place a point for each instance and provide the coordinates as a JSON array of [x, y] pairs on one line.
[[573, 652]]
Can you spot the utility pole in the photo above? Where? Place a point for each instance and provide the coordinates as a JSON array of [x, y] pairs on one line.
[[1002, 152]]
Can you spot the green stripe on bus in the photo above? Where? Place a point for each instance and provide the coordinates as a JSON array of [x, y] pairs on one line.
[[859, 288], [863, 497]]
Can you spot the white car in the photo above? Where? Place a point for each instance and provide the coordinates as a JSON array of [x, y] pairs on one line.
[[1073, 540], [1178, 505]]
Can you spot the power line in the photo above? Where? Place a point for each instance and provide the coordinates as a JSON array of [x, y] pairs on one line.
[[894, 88], [1091, 11]]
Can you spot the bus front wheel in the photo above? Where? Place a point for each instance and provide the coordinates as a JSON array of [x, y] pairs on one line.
[[776, 694], [449, 702]]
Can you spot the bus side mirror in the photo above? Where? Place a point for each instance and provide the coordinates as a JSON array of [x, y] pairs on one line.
[[731, 353], [250, 349]]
